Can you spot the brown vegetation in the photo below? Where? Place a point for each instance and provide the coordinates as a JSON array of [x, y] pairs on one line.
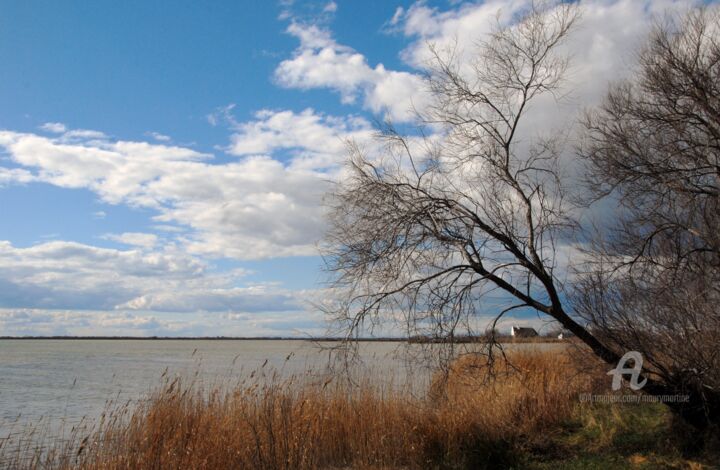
[[465, 421]]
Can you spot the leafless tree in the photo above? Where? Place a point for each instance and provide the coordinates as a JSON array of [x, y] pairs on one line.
[[434, 226], [653, 283]]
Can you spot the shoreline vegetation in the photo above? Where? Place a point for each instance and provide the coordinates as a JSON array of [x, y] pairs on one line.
[[524, 413]]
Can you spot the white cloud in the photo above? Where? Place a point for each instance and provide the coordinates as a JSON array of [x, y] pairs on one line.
[[257, 207], [27, 321], [69, 135], [142, 240], [61, 274], [320, 62], [307, 12], [602, 47], [15, 175], [315, 140], [67, 275], [465, 25], [223, 113], [82, 134], [168, 228], [54, 127], [159, 137], [39, 322], [397, 16]]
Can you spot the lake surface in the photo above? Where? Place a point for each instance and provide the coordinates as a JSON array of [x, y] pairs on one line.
[[58, 382], [66, 380]]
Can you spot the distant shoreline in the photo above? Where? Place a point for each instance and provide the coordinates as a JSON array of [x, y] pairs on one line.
[[464, 340], [195, 338]]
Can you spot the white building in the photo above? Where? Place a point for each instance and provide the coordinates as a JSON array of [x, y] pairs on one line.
[[522, 332]]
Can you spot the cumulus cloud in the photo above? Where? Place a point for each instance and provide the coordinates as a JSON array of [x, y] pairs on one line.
[[257, 207], [320, 62], [267, 204], [602, 47], [611, 31], [316, 141], [67, 275], [71, 275]]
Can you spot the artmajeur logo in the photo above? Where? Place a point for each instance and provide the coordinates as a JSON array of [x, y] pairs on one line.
[[633, 371]]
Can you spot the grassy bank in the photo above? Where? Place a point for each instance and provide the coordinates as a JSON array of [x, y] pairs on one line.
[[528, 416]]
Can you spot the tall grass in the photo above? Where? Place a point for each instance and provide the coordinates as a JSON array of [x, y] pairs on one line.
[[464, 421]]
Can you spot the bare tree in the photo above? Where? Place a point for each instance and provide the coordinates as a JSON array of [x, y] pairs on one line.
[[653, 283], [429, 230]]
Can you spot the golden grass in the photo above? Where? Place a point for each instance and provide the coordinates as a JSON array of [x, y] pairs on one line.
[[465, 421]]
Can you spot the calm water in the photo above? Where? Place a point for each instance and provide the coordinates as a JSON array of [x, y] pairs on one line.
[[62, 381], [55, 383]]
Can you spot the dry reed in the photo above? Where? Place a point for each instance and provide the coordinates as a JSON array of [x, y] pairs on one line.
[[465, 421]]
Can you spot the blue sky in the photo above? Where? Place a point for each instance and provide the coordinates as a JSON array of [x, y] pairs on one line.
[[163, 164]]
